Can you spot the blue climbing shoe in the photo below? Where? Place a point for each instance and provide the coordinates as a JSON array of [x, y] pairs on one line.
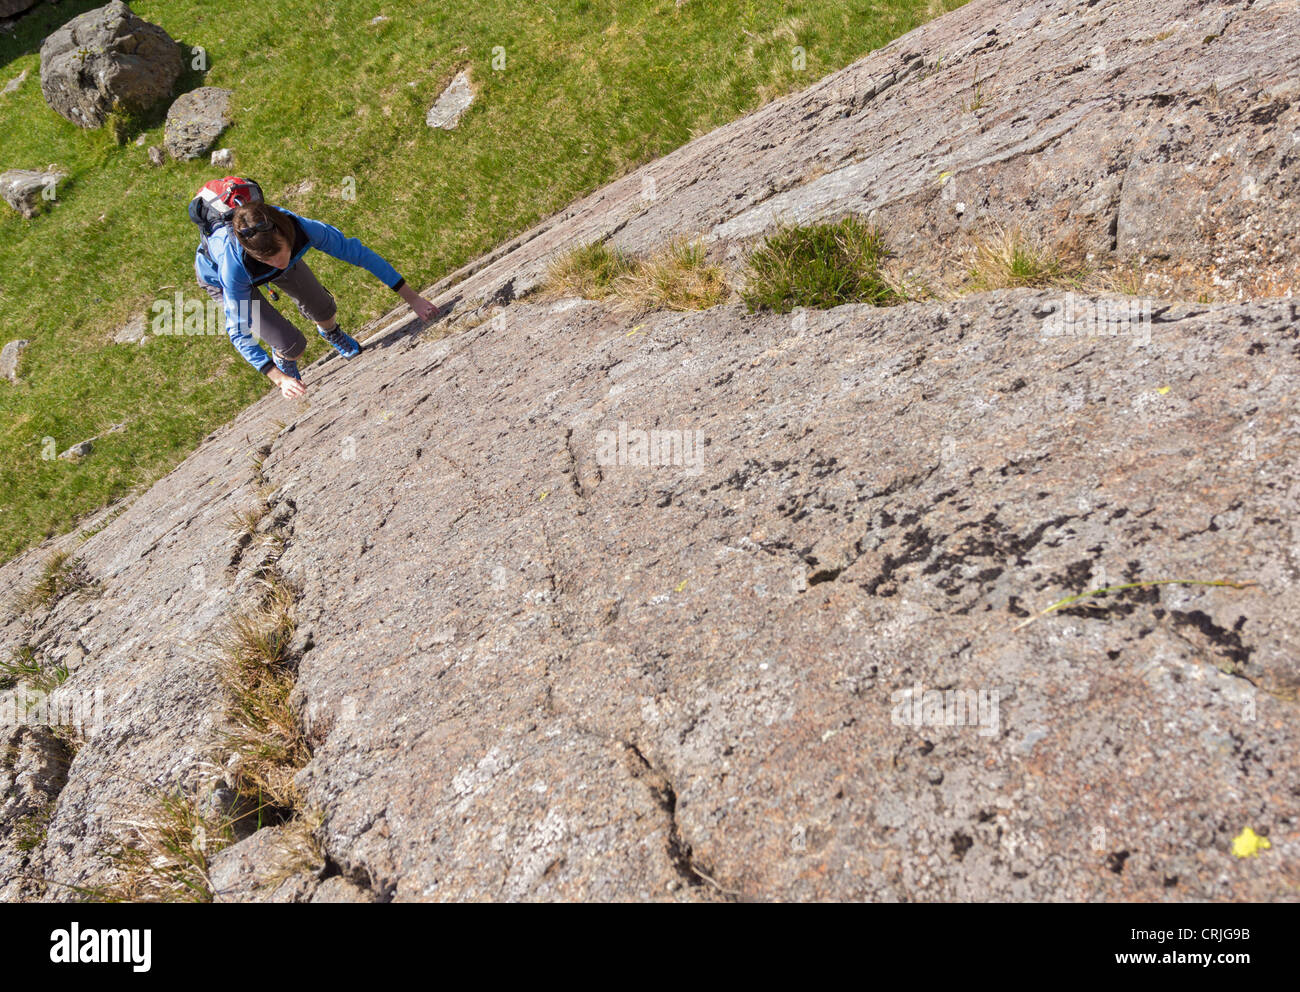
[[343, 343], [286, 365]]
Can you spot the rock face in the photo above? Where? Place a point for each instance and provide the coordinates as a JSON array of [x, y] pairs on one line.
[[10, 355], [719, 605], [195, 121], [33, 769], [107, 58], [24, 189], [10, 8], [451, 104]]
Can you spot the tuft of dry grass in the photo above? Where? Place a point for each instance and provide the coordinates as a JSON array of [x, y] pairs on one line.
[[169, 855], [1006, 259], [25, 667], [258, 676], [61, 576], [677, 277], [588, 271]]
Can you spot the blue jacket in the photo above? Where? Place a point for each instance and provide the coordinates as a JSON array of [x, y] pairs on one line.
[[225, 265]]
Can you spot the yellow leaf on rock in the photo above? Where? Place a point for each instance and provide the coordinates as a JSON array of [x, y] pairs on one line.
[[1248, 844]]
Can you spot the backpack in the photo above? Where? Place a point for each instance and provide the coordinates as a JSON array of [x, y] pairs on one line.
[[214, 204]]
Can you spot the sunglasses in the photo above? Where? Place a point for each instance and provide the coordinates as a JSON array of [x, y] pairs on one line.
[[260, 228]]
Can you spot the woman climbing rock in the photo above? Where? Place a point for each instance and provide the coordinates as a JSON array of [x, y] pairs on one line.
[[247, 243]]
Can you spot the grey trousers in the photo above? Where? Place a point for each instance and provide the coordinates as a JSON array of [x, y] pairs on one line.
[[315, 302]]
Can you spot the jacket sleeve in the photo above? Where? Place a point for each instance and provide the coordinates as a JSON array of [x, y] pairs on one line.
[[237, 295], [332, 241]]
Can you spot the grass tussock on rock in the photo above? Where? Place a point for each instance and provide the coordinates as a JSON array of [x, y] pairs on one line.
[[588, 271], [679, 276], [1007, 259], [62, 575], [820, 266], [169, 855], [258, 676]]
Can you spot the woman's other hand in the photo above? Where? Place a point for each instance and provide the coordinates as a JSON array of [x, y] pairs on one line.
[[290, 388]]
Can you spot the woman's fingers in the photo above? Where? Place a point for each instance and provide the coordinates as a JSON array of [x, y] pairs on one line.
[[292, 388]]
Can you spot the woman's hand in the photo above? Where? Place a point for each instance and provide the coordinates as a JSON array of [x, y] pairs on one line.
[[422, 307], [290, 388]]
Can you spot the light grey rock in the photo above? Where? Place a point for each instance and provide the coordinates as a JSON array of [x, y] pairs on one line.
[[270, 865], [10, 355], [105, 59], [338, 889], [24, 189], [195, 121], [14, 83], [223, 158], [80, 450], [451, 103], [33, 770], [133, 331], [157, 156]]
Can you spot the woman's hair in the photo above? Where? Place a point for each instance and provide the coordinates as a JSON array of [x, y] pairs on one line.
[[262, 244]]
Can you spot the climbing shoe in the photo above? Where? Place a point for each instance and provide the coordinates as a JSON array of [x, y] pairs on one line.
[[343, 343], [286, 365]]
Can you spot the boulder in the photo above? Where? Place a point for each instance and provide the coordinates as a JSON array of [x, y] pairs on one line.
[[12, 8], [24, 189], [195, 121], [451, 104], [9, 357], [105, 60]]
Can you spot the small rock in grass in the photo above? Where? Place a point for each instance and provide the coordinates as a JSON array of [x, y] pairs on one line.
[[453, 102], [78, 451], [9, 356], [132, 331]]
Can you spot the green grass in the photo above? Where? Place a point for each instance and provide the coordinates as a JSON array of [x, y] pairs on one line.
[[819, 266], [590, 90], [25, 668]]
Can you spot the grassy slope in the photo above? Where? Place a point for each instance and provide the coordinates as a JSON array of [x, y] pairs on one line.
[[591, 89]]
